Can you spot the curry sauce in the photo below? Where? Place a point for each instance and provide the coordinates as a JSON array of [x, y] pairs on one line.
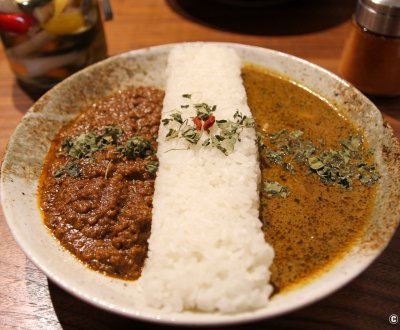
[[98, 204], [316, 223]]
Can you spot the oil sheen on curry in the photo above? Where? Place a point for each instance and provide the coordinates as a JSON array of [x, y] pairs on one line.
[[317, 187], [97, 183]]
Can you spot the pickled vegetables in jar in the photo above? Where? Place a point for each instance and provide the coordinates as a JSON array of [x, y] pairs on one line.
[[47, 40]]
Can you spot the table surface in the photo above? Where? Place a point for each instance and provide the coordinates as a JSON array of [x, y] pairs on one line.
[[312, 29]]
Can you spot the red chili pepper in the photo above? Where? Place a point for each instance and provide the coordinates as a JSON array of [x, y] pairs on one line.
[[209, 122], [17, 23], [197, 121]]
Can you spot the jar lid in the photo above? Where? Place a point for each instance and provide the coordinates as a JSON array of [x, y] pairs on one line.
[[379, 16]]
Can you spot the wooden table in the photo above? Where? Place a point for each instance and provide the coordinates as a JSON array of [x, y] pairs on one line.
[[311, 29]]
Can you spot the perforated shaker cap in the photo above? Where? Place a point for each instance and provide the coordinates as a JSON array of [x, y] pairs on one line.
[[379, 16]]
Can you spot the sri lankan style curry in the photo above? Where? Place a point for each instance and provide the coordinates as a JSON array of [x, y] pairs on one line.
[[316, 193]]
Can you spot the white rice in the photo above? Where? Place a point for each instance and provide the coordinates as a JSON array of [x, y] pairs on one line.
[[206, 251]]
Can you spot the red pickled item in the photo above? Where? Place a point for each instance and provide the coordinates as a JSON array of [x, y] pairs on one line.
[[197, 121], [209, 122], [17, 23]]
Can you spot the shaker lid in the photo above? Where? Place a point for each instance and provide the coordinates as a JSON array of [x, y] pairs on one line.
[[379, 16]]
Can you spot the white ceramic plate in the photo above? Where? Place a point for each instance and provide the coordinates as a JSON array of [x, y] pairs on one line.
[[30, 142]]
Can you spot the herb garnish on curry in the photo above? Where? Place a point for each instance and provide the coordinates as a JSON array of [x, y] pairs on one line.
[[317, 176]]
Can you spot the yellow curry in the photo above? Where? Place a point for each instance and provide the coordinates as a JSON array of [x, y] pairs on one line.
[[313, 223]]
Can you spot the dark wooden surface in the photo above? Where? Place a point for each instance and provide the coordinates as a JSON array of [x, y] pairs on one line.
[[311, 29]]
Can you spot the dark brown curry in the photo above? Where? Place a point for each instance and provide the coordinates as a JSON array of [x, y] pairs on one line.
[[99, 206], [97, 198]]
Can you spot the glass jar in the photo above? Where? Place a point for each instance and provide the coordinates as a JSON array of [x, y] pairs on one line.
[[47, 40], [371, 56]]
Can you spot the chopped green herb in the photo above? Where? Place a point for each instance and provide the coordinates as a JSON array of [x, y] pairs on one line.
[[111, 133], [152, 167], [177, 116], [277, 134], [70, 168], [172, 133], [191, 135], [86, 144], [166, 121], [353, 143], [223, 139], [203, 110], [338, 167], [315, 163], [82, 146], [273, 188], [206, 142], [136, 146], [368, 175], [296, 134], [289, 167]]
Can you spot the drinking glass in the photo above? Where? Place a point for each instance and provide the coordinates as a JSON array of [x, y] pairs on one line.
[[47, 40]]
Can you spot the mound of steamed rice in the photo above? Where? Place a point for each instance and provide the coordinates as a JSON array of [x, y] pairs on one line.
[[206, 251]]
